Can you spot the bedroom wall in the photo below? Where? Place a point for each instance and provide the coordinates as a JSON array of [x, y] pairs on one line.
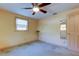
[[49, 28], [9, 36]]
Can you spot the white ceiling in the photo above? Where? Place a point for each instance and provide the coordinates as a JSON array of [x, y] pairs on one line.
[[52, 8]]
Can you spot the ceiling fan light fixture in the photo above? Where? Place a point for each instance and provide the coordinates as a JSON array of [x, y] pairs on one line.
[[36, 9]]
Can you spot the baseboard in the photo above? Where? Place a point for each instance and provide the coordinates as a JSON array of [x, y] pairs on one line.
[[6, 48]]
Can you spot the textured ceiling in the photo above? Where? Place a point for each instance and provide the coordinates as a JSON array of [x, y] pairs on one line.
[[52, 8]]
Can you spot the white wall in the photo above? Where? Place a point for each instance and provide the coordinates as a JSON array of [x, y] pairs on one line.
[[50, 29]]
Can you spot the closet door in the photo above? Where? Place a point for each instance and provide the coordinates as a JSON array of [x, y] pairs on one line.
[[77, 32], [71, 32]]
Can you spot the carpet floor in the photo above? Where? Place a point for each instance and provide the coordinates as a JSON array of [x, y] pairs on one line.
[[39, 49]]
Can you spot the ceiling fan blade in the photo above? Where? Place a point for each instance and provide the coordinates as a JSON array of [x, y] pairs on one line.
[[33, 4], [44, 4], [33, 13], [43, 11], [36, 4], [27, 8]]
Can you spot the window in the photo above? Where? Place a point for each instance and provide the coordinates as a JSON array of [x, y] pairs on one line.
[[63, 31], [21, 24], [63, 27]]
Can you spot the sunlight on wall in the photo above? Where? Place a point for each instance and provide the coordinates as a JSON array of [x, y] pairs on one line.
[[8, 34]]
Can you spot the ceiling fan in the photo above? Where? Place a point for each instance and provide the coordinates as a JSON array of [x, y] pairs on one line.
[[38, 7]]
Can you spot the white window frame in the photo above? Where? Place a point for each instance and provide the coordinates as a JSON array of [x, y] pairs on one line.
[[19, 22]]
